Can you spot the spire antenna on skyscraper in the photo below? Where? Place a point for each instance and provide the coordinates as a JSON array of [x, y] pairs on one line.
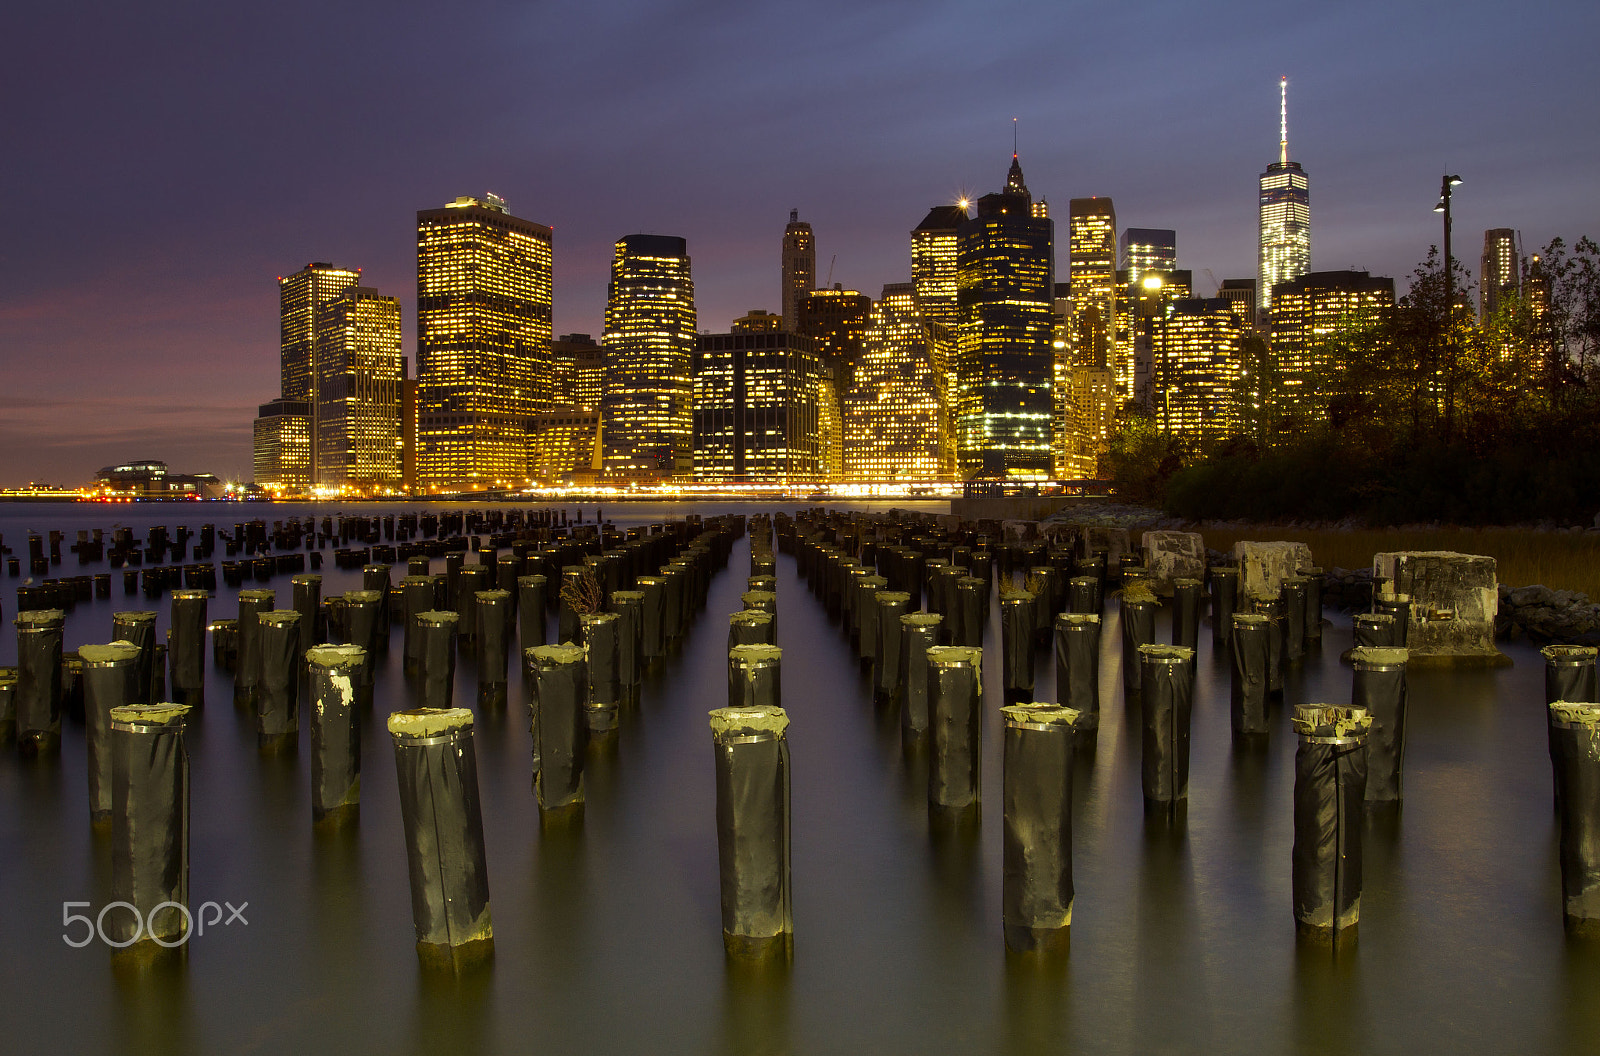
[[1283, 120]]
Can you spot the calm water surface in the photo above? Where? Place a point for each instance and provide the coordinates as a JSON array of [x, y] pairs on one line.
[[608, 940]]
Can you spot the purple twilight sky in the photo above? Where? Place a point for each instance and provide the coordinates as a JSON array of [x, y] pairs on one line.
[[167, 161]]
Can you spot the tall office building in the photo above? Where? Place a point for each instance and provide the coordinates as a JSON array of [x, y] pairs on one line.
[[1305, 311], [281, 439], [933, 264], [1198, 362], [483, 343], [836, 320], [1500, 271], [361, 368], [646, 406], [1285, 201], [578, 368], [755, 406], [1148, 249], [1005, 285], [799, 268], [895, 414], [1140, 308], [301, 297], [1241, 294], [1092, 290]]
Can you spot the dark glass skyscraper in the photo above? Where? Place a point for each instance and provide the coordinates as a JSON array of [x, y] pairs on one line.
[[799, 268], [1005, 288], [645, 408]]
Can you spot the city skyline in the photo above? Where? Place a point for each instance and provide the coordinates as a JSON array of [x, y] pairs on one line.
[[124, 280]]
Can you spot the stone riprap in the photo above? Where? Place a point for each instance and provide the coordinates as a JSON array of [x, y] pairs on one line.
[[1546, 615]]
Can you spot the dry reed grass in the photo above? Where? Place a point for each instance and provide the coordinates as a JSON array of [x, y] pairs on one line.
[[1560, 560]]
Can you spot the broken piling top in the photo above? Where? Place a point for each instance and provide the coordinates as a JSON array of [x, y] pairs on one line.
[[759, 721], [622, 597], [750, 617], [922, 619], [493, 594], [546, 657], [136, 617], [756, 656], [268, 596], [892, 597], [42, 618], [955, 656], [1077, 619], [279, 618], [1331, 722], [1263, 566], [148, 718], [108, 655], [1044, 717], [1138, 589], [1014, 596], [336, 657], [1248, 619], [760, 599], [438, 618], [1379, 658], [1577, 713], [362, 597], [1166, 654], [1564, 655], [419, 724]]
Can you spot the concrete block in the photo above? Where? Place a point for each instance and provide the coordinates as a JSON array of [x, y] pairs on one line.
[[1263, 566], [1454, 600], [1173, 555]]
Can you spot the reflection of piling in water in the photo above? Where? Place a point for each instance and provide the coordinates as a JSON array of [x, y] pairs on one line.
[[1330, 784], [1167, 712], [560, 726], [149, 831], [1037, 891], [139, 628], [1077, 646], [336, 674], [1224, 602], [109, 674], [752, 775], [8, 704], [38, 694], [186, 645], [1018, 612], [1138, 629], [891, 605], [1378, 687], [1575, 754], [1251, 653], [919, 633], [277, 695], [955, 718], [436, 657], [1186, 613], [443, 819]]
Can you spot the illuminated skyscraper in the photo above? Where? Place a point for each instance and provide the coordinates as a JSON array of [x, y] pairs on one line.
[[799, 268], [579, 367], [1005, 290], [361, 368], [1148, 249], [282, 445], [1092, 289], [483, 343], [896, 420], [755, 407], [836, 320], [1308, 309], [1140, 307], [645, 410], [1285, 214], [1241, 294], [301, 297], [933, 264], [1500, 272], [1196, 348]]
